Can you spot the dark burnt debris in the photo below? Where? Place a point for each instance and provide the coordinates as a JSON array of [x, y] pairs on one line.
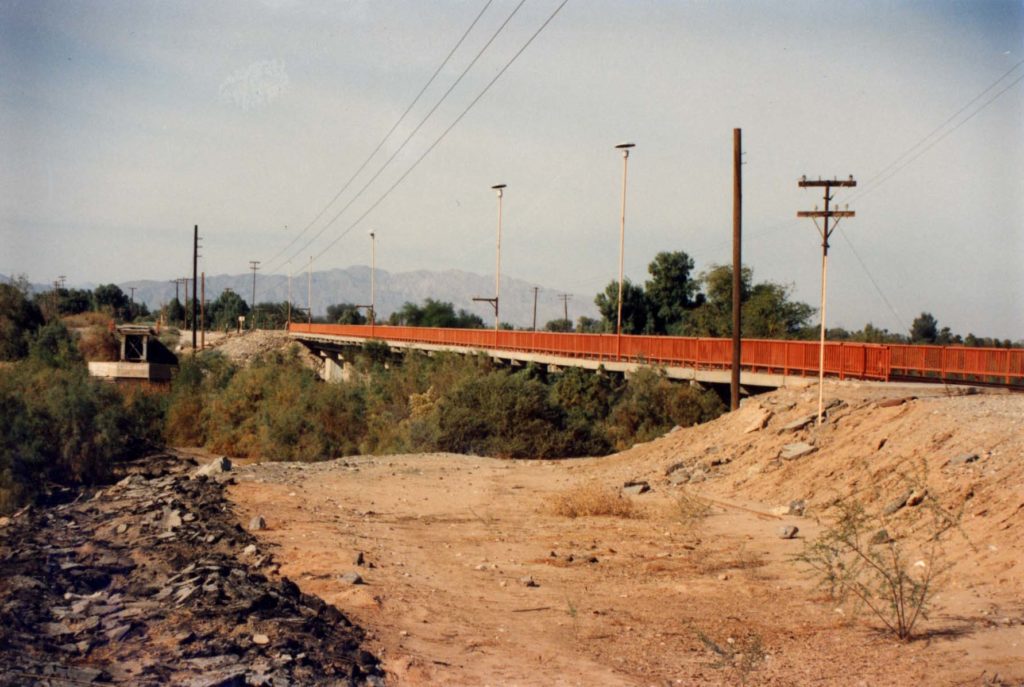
[[152, 582]]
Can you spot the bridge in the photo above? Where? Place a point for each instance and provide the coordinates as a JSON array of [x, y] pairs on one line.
[[764, 363]]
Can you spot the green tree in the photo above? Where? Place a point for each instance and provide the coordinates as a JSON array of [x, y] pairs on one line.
[[634, 307], [345, 313], [224, 312], [176, 312], [110, 298], [559, 325], [434, 314], [671, 291], [588, 325], [19, 319], [714, 316], [770, 314], [924, 329]]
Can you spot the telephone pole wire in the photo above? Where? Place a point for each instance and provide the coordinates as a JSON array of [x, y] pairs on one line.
[[830, 219]]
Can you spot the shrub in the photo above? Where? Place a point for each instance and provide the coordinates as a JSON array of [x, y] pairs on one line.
[[651, 405], [19, 319], [592, 499], [58, 424]]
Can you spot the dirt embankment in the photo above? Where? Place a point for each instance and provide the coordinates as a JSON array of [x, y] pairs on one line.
[[467, 576]]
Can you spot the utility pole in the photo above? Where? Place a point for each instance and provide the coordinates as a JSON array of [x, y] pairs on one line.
[[565, 305], [624, 147], [309, 292], [289, 293], [373, 278], [202, 313], [184, 309], [535, 290], [60, 279], [737, 268], [195, 264], [253, 265], [830, 220]]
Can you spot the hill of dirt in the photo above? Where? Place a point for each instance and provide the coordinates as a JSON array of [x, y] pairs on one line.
[[468, 575]]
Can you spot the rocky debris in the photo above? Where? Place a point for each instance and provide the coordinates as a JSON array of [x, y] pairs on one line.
[[360, 559], [675, 467], [636, 487], [798, 424], [788, 531], [797, 507], [963, 459], [893, 402], [257, 523], [215, 467], [797, 450], [760, 421], [170, 599], [897, 503], [351, 578], [528, 581], [916, 497]]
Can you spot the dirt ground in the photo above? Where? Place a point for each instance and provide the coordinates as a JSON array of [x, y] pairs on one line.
[[448, 540]]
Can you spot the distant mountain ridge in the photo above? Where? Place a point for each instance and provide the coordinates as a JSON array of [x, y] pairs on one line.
[[352, 285]]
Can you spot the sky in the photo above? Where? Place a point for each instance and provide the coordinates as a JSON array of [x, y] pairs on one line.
[[123, 124]]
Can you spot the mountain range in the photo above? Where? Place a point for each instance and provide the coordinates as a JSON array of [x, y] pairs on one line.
[[352, 285]]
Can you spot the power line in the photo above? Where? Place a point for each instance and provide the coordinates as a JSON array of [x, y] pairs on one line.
[[387, 135], [411, 134], [445, 132]]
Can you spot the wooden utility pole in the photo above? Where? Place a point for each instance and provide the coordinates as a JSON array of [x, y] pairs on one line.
[[565, 305], [195, 264], [830, 220], [253, 265], [309, 292], [184, 308], [535, 290], [737, 268]]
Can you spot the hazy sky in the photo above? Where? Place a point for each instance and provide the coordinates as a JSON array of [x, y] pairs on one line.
[[122, 124]]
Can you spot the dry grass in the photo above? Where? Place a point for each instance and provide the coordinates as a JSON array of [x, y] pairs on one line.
[[593, 499], [690, 508], [87, 319], [99, 344]]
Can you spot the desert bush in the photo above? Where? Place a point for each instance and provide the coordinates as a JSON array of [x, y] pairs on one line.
[[590, 499], [57, 424], [19, 320], [650, 405], [88, 319], [852, 562], [98, 344]]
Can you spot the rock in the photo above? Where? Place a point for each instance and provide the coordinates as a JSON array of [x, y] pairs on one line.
[[880, 537], [636, 487], [698, 476], [893, 402], [250, 550], [528, 581], [171, 519], [360, 559], [116, 634], [679, 477], [963, 459], [122, 528], [788, 531], [916, 497], [675, 467], [5, 521], [759, 422], [351, 578], [257, 523], [218, 466], [799, 424], [797, 507], [260, 639], [896, 504], [797, 450]]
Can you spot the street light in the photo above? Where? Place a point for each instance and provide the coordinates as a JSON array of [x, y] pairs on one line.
[[624, 147], [373, 278], [500, 188]]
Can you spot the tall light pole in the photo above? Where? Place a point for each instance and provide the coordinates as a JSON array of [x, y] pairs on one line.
[[624, 147], [289, 292], [373, 278], [500, 188], [253, 265]]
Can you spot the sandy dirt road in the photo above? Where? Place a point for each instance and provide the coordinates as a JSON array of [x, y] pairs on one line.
[[448, 539]]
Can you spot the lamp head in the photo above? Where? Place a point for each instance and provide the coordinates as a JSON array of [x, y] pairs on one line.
[[626, 146]]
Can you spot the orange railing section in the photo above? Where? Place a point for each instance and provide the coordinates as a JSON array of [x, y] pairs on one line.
[[845, 360]]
